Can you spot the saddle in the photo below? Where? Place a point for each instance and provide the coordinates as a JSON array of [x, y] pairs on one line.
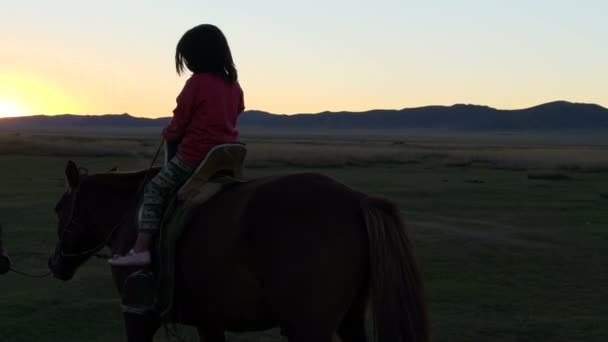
[[222, 164], [152, 289]]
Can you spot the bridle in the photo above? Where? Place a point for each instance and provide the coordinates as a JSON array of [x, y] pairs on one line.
[[75, 225]]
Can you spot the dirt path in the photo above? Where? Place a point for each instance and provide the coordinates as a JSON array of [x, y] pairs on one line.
[[483, 231]]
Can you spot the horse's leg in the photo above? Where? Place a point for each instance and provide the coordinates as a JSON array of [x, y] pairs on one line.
[[140, 328], [208, 335], [352, 327]]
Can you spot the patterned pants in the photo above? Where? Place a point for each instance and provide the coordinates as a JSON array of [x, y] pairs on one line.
[[170, 178]]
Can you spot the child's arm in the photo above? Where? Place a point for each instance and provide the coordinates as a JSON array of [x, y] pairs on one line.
[[182, 114]]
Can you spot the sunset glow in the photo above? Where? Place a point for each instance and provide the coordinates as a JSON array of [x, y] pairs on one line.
[[23, 94], [303, 57], [8, 108]]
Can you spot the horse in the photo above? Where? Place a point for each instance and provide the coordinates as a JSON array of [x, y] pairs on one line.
[[301, 252]]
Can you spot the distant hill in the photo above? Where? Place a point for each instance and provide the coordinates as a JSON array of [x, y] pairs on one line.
[[553, 116], [78, 122]]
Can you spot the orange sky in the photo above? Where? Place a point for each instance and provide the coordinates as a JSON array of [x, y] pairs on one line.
[[116, 56]]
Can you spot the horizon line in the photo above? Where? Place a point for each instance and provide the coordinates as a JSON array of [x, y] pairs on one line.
[[322, 112]]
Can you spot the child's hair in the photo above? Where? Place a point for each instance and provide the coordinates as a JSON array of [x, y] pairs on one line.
[[204, 48]]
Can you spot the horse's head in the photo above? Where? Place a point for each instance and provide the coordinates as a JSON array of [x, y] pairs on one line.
[[77, 238]]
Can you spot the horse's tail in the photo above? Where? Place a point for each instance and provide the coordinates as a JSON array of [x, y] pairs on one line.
[[397, 293]]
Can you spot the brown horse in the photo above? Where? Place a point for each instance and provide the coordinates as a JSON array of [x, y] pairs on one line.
[[301, 252]]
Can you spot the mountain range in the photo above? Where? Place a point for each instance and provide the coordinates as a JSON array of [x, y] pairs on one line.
[[553, 116]]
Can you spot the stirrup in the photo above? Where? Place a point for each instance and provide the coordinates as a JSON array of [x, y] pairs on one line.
[[138, 293]]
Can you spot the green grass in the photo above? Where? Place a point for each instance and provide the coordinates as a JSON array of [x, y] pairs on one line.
[[505, 259]]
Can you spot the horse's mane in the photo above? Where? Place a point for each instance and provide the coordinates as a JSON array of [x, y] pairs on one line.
[[120, 179]]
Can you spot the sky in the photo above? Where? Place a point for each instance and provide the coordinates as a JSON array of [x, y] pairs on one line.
[[116, 56]]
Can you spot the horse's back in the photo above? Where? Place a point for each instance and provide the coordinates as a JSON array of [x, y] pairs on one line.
[[288, 247]]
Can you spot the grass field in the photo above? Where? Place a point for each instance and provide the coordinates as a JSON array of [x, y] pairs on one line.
[[505, 257]]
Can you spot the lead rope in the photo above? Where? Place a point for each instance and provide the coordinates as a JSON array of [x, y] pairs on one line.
[[25, 274], [29, 275]]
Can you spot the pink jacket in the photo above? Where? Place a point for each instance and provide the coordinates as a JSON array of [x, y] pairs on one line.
[[206, 115]]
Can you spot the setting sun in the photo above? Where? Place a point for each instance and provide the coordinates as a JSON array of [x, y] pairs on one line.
[[23, 93], [8, 108]]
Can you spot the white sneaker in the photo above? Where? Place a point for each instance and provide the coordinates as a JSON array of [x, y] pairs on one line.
[[131, 259]]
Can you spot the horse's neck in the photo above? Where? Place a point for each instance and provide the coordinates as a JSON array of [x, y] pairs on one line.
[[124, 236]]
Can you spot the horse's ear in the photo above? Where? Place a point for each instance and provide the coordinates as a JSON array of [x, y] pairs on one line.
[[72, 175]]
